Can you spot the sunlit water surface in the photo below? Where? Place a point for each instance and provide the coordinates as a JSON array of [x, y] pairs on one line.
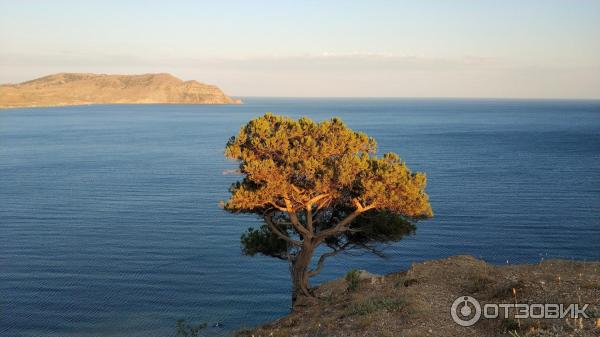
[[110, 225]]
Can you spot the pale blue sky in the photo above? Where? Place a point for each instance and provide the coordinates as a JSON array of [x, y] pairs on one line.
[[477, 48]]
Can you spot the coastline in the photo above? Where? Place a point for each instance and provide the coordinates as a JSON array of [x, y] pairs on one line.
[[417, 302], [240, 102], [68, 89]]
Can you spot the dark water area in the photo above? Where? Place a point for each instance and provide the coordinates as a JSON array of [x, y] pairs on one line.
[[110, 225]]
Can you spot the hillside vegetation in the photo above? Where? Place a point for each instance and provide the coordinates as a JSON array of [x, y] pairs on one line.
[[417, 302]]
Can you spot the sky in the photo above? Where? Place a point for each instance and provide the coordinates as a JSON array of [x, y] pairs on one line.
[[375, 48]]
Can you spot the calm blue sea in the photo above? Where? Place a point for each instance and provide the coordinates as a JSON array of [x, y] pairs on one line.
[[110, 225]]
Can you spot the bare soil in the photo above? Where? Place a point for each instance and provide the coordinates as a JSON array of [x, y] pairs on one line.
[[417, 302]]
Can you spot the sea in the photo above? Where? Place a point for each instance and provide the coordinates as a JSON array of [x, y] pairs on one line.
[[110, 222]]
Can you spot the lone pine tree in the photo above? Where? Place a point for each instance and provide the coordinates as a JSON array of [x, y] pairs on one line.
[[319, 184]]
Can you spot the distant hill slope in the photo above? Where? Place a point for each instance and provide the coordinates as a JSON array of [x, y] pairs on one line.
[[83, 88]]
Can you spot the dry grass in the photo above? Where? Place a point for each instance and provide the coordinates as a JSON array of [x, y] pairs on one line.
[[417, 302], [80, 89], [371, 305]]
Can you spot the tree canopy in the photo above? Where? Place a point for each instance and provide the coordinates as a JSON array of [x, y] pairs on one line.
[[320, 182]]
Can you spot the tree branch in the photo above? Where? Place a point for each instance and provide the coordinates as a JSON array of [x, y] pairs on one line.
[[283, 209], [322, 258], [316, 199], [321, 203], [343, 225], [309, 210], [309, 218], [340, 227], [269, 220], [371, 206], [371, 249], [357, 204], [297, 189], [294, 219], [360, 206]]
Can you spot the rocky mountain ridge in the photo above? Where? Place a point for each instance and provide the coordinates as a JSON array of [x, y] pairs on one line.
[[65, 89]]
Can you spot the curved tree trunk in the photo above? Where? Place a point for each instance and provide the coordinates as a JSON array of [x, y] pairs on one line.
[[299, 273]]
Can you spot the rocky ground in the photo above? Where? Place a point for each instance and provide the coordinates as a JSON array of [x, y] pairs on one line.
[[417, 302]]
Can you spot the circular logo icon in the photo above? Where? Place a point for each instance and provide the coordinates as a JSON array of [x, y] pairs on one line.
[[465, 311]]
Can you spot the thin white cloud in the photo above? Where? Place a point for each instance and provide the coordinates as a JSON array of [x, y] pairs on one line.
[[355, 60], [355, 73]]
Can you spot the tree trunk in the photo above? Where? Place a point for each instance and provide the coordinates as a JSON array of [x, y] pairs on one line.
[[299, 271]]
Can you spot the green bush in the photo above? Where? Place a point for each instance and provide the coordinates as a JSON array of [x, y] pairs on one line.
[[353, 279]]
